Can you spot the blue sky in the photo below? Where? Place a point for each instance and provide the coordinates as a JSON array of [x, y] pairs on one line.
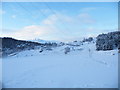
[[57, 20]]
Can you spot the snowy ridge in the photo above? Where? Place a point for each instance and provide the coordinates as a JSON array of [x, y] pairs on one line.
[[44, 41], [81, 67]]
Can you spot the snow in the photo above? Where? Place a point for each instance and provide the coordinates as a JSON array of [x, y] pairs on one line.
[[44, 41], [85, 68]]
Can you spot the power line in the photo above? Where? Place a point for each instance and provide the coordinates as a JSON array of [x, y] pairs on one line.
[[26, 10], [41, 13], [61, 21], [47, 17], [29, 12]]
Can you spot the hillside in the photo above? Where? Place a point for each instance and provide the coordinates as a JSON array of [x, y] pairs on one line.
[[11, 46], [76, 64], [81, 67]]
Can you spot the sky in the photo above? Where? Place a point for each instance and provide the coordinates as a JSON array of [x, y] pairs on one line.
[[63, 21]]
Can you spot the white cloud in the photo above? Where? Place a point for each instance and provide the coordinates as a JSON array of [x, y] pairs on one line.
[[87, 9], [48, 29], [50, 20], [85, 18], [45, 29], [65, 18], [45, 11], [83, 15], [2, 12], [31, 32], [13, 16], [91, 28]]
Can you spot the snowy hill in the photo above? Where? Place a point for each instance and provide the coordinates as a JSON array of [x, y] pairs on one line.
[[81, 67], [74, 64], [44, 41], [12, 46]]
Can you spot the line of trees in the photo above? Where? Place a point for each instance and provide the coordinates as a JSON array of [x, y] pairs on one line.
[[108, 41]]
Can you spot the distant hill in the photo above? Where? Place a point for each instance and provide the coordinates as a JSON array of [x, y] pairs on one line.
[[10, 45], [13, 46]]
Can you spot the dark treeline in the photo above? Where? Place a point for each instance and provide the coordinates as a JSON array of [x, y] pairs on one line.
[[10, 45], [104, 42], [108, 41]]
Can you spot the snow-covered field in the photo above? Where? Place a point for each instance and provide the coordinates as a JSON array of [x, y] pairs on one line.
[[83, 68]]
